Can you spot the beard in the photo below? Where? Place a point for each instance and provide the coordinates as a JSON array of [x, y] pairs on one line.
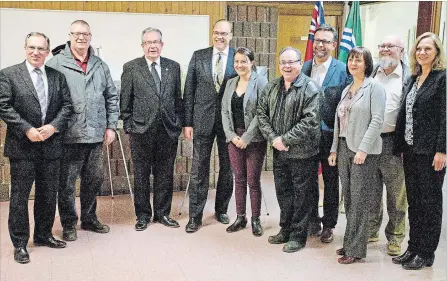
[[387, 62]]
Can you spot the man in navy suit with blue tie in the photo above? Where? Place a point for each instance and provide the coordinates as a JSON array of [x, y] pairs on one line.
[[330, 74], [208, 73]]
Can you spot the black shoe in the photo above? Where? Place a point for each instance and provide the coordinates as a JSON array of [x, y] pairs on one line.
[[341, 252], [418, 262], [404, 258], [256, 227], [21, 255], [327, 235], [222, 218], [95, 226], [50, 242], [293, 246], [69, 234], [280, 238], [193, 225], [238, 224], [167, 221], [141, 224], [314, 229]]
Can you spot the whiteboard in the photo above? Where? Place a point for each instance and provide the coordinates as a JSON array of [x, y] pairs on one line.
[[118, 35]]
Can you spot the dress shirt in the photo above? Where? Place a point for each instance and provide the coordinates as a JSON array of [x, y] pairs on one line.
[[319, 71], [393, 88], [34, 76], [224, 55], [157, 65]]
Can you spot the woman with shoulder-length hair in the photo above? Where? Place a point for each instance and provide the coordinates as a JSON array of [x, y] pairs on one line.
[[420, 136], [246, 145], [356, 145]]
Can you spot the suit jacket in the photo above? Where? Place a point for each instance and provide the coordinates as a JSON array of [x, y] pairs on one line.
[[20, 109], [333, 84], [254, 89], [202, 103], [365, 118], [141, 105], [429, 114]]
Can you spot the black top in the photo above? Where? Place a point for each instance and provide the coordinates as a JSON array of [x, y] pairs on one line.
[[237, 107]]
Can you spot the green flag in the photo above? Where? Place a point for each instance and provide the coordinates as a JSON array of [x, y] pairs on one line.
[[352, 33]]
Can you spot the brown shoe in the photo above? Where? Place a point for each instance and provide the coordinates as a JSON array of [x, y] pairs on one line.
[[347, 260], [327, 235]]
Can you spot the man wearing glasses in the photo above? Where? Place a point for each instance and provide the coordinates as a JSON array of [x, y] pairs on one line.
[[392, 73], [35, 104], [330, 74], [208, 73], [151, 109], [95, 103], [289, 118]]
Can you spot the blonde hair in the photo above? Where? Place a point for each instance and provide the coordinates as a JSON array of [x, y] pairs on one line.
[[438, 62]]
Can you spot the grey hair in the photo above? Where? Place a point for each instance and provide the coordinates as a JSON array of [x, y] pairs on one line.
[[288, 48], [38, 34], [151, 29]]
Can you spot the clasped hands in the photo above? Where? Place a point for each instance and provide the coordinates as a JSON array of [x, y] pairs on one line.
[[359, 158], [239, 142], [40, 134]]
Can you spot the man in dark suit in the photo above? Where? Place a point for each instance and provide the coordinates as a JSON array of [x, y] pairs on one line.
[[207, 76], [35, 104], [151, 109], [330, 74]]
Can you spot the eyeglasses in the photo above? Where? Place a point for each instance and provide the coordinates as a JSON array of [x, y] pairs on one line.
[[155, 42], [34, 48], [223, 34], [322, 41], [389, 47], [284, 63], [78, 34]]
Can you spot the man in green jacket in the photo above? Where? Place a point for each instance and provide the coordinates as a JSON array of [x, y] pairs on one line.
[[95, 104]]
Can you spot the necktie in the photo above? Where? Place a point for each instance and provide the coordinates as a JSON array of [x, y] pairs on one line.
[[40, 88], [155, 76], [218, 69]]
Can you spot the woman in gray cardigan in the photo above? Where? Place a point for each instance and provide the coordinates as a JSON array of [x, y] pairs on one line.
[[357, 142], [246, 145]]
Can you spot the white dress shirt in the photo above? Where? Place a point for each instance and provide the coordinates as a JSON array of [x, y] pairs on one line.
[[34, 75], [224, 55], [319, 71], [393, 88], [157, 66]]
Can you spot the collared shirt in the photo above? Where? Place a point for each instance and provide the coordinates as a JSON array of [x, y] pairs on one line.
[[393, 88], [224, 55], [157, 66], [82, 64], [319, 71], [33, 75]]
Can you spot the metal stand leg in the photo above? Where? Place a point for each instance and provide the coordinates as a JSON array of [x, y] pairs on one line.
[[265, 203], [110, 171], [184, 197], [125, 166]]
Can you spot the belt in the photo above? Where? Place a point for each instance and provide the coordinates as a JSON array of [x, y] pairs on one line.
[[390, 134]]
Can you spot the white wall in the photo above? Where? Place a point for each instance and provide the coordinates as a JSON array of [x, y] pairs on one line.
[[118, 34]]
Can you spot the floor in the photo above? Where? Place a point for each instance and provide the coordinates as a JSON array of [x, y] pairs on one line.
[[161, 253]]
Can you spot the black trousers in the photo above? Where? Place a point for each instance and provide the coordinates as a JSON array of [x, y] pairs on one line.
[[153, 151], [45, 174], [200, 173], [82, 160], [331, 189], [424, 195], [294, 180]]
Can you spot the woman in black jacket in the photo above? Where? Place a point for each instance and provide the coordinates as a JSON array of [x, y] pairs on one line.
[[421, 137]]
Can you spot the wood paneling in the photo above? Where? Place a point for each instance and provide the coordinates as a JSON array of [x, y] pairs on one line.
[[215, 10]]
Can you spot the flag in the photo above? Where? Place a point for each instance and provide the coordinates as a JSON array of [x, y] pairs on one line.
[[316, 21], [352, 33]]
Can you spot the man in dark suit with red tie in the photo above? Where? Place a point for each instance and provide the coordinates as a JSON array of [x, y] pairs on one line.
[[35, 104], [151, 109], [208, 73]]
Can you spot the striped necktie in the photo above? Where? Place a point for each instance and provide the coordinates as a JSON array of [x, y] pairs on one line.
[[155, 76], [219, 73], [40, 89]]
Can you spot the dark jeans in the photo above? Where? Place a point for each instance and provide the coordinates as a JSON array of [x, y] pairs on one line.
[[294, 179], [331, 190], [200, 174], [84, 160], [45, 174], [424, 195], [247, 166], [153, 150]]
